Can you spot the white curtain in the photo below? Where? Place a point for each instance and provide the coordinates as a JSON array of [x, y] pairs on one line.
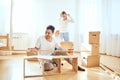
[[103, 16], [110, 37], [5, 16]]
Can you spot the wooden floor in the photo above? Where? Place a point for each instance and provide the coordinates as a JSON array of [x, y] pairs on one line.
[[11, 68], [112, 62]]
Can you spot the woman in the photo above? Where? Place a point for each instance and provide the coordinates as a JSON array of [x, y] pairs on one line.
[[64, 20]]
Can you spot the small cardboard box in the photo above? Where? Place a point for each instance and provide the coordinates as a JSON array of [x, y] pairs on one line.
[[91, 61], [95, 49], [94, 37]]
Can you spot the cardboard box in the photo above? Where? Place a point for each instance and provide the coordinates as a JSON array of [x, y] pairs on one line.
[[94, 37], [95, 49], [90, 61]]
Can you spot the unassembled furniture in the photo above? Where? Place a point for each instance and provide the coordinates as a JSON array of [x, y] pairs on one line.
[[59, 69]]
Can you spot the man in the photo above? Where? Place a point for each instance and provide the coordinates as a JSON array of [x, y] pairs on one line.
[[47, 42]]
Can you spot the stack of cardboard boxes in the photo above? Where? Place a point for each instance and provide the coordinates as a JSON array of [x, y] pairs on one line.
[[93, 59]]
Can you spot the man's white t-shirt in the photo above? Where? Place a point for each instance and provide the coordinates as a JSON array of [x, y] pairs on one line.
[[43, 44], [58, 39]]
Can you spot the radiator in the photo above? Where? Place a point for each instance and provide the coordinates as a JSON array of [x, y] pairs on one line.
[[20, 41]]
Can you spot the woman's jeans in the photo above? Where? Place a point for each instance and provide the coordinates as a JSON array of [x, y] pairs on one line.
[[64, 36]]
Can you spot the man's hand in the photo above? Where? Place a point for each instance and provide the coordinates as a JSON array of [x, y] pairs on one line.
[[32, 50]]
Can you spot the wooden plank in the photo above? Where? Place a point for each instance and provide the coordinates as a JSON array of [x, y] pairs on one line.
[[75, 64], [51, 57]]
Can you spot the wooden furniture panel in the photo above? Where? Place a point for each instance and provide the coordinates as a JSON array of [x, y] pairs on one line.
[[7, 46], [66, 45]]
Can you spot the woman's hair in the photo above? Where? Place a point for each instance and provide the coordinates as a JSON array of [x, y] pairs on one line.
[[63, 12], [51, 27]]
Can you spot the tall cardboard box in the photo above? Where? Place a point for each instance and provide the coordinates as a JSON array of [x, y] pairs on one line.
[[95, 49], [94, 37], [91, 61]]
